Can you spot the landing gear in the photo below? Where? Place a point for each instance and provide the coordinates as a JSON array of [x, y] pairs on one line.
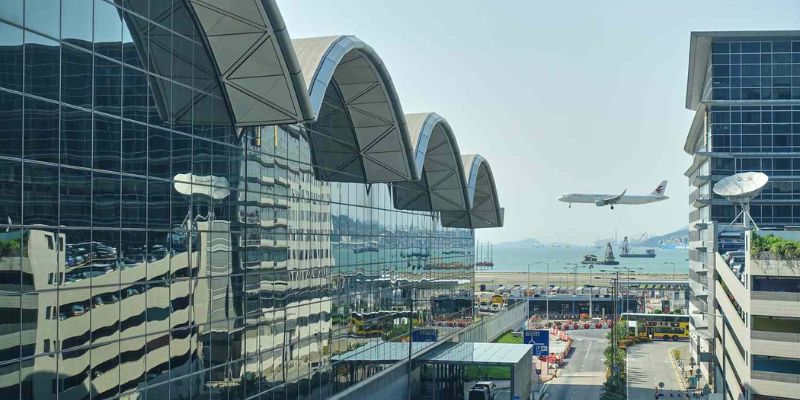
[[570, 205]]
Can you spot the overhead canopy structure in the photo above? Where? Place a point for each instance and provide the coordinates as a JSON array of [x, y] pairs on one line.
[[360, 132], [255, 59], [484, 208], [442, 184], [336, 89]]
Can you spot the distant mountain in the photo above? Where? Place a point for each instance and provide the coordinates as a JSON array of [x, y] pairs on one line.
[[524, 243], [678, 237]]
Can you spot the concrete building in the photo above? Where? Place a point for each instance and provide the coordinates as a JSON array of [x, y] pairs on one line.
[[195, 206], [744, 88], [757, 324]]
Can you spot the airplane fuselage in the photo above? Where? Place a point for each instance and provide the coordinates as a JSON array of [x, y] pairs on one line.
[[593, 198]]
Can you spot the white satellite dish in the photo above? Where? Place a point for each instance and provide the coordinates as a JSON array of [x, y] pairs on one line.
[[212, 186], [741, 189]]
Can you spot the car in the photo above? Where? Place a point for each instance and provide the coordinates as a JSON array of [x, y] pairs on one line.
[[97, 302], [482, 390], [77, 309]]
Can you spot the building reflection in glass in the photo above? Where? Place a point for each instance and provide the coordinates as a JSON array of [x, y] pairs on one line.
[[149, 249]]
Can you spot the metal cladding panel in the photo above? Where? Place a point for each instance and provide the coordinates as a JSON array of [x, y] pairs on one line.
[[255, 59], [484, 210], [346, 68], [438, 158]]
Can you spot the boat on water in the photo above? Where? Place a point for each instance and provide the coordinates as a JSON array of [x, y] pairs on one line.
[[626, 251], [608, 260], [366, 247]]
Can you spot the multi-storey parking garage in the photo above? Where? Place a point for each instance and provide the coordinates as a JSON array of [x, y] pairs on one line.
[[193, 205]]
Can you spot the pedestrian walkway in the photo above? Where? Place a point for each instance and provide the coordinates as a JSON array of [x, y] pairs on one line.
[[692, 382]]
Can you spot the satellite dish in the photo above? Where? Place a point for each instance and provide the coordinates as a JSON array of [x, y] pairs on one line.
[[212, 186], [741, 189]]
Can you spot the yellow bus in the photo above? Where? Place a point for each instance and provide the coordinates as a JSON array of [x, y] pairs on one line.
[[657, 326]]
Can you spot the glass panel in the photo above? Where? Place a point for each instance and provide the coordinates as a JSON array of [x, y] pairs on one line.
[[10, 124], [42, 16], [41, 66], [107, 30], [10, 192], [107, 85], [40, 195], [41, 130], [107, 133], [76, 23], [11, 10], [105, 200], [134, 143], [11, 56], [76, 77], [76, 197]]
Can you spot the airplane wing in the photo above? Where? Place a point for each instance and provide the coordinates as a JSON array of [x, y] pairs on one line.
[[610, 200]]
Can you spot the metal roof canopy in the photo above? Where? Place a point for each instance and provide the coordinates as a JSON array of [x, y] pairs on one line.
[[501, 354], [478, 353]]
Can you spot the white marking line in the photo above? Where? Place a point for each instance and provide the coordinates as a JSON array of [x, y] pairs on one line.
[[627, 371]]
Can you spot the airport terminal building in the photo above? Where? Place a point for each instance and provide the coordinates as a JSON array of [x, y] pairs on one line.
[[194, 205]]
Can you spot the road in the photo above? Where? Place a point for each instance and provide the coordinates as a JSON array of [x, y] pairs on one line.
[[648, 365], [583, 373]]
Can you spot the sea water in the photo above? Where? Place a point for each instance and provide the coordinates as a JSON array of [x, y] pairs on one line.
[[517, 259]]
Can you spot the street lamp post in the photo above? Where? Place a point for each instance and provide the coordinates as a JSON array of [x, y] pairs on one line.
[[547, 299], [529, 272], [724, 364], [673, 268]]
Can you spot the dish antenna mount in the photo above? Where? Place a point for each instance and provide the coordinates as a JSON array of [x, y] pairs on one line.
[[741, 189]]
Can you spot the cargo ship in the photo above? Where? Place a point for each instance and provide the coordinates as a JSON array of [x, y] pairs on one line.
[[626, 251]]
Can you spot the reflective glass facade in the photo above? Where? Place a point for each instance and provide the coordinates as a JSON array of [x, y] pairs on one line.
[[151, 249], [753, 124]]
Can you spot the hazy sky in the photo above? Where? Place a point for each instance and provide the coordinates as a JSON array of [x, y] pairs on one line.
[[559, 96]]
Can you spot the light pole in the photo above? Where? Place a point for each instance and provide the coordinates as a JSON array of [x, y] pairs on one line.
[[673, 268], [547, 299], [529, 272], [724, 372]]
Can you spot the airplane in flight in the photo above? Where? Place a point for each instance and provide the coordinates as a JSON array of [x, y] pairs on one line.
[[600, 199]]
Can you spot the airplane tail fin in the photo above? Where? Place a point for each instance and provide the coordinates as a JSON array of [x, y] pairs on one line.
[[660, 190]]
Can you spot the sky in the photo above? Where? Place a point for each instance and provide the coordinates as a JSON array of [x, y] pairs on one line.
[[559, 96]]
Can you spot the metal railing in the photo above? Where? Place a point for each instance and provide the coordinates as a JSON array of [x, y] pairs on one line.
[[776, 377], [493, 326], [776, 336], [780, 296]]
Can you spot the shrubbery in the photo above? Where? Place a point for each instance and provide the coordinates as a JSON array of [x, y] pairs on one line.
[[777, 247]]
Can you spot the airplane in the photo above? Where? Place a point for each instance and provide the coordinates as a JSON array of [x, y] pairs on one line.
[[600, 199]]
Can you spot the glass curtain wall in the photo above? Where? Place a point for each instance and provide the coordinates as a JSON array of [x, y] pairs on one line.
[[149, 249], [763, 133]]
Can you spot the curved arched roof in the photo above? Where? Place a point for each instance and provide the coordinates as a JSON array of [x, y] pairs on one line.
[[484, 210], [442, 184], [374, 132], [255, 60]]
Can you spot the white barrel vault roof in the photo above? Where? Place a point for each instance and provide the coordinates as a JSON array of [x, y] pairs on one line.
[[351, 67], [485, 210], [442, 184], [255, 60], [269, 79]]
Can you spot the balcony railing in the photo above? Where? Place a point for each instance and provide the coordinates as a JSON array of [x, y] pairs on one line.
[[776, 377], [776, 336], [776, 296]]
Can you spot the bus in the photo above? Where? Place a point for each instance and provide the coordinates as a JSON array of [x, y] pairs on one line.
[[657, 326]]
